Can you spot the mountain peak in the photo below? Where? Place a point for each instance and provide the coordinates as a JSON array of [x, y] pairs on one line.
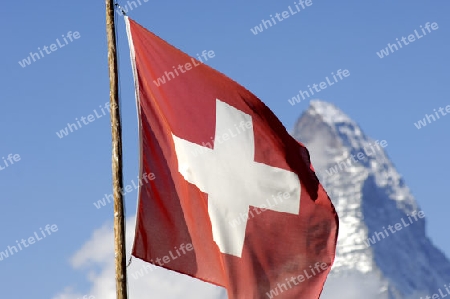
[[370, 197], [328, 112]]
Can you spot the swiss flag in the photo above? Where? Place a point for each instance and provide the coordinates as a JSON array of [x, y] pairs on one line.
[[235, 200]]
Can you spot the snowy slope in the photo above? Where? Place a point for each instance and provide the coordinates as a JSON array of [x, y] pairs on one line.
[[372, 201]]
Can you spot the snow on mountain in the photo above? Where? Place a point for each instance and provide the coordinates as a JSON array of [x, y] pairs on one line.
[[383, 251]]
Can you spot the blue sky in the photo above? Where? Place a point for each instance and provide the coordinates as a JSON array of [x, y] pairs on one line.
[[57, 179]]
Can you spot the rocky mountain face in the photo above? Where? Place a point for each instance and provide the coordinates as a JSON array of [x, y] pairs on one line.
[[383, 251]]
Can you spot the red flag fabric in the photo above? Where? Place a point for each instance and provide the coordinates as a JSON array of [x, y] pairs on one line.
[[235, 200]]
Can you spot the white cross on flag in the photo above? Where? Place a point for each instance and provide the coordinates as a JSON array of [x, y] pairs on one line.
[[235, 200]]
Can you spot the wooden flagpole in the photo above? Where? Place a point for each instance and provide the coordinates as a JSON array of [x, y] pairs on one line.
[[116, 127]]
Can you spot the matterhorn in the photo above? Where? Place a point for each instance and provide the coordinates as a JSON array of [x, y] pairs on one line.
[[382, 251]]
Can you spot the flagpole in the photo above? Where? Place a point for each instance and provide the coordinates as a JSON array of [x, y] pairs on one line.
[[116, 128]]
